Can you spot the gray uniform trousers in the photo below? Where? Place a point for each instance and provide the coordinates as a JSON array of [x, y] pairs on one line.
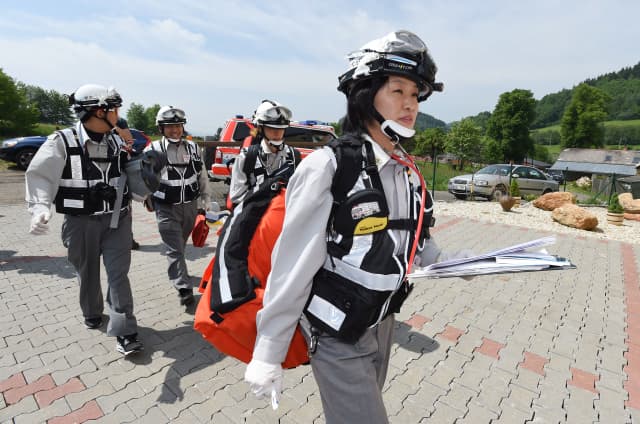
[[351, 376], [86, 237], [175, 223]]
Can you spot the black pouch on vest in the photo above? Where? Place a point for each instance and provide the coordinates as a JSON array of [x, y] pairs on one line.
[[354, 308], [364, 212]]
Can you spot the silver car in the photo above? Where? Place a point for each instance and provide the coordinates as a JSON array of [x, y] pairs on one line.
[[493, 181]]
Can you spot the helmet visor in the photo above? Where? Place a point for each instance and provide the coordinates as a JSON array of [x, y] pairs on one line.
[[173, 115]]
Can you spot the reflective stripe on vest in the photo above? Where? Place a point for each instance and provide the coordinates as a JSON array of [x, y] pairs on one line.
[[81, 174], [178, 186]]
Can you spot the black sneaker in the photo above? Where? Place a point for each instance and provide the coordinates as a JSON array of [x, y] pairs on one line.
[[186, 296], [128, 344], [134, 245], [93, 323]]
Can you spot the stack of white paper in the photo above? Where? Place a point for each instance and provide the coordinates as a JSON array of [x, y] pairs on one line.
[[515, 258]]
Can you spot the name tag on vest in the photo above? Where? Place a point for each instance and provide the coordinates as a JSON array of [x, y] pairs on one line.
[[73, 203]]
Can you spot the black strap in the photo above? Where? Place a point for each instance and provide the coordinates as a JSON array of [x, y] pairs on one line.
[[250, 160]]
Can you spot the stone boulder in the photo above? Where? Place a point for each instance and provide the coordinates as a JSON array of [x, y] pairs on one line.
[[628, 203], [550, 201], [574, 216]]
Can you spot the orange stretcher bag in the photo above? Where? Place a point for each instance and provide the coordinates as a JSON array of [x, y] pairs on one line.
[[231, 327]]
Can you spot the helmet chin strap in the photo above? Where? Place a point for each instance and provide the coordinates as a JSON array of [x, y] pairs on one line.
[[396, 132], [278, 147]]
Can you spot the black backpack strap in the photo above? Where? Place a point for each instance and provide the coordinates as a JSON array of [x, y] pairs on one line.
[[250, 159], [349, 165]]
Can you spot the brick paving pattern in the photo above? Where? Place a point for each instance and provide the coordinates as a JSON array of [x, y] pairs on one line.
[[542, 347]]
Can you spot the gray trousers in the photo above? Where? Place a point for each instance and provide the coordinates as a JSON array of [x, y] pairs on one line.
[[175, 223], [88, 237], [351, 376]]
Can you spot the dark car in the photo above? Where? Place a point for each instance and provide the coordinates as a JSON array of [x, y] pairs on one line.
[[556, 175], [21, 149]]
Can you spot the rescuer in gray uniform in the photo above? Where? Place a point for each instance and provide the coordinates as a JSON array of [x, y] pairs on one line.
[[78, 169], [181, 195], [357, 219]]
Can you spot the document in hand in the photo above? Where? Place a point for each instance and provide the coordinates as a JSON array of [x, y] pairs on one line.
[[517, 258]]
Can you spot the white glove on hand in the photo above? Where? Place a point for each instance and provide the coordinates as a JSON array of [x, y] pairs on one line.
[[264, 379], [40, 216]]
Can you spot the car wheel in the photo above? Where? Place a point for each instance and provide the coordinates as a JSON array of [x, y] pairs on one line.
[[547, 190], [24, 156], [461, 196], [498, 192]]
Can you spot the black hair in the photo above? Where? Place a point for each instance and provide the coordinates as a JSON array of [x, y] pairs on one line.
[[360, 109]]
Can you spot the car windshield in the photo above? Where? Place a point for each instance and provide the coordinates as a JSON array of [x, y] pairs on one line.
[[494, 170], [307, 135]]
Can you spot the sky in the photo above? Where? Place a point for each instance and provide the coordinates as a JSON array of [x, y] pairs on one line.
[[216, 59]]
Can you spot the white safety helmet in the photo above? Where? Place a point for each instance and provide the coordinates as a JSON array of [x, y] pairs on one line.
[[91, 97], [170, 115], [397, 53], [272, 114]]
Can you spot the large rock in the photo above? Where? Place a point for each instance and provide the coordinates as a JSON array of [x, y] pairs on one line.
[[629, 204], [550, 201], [574, 216]]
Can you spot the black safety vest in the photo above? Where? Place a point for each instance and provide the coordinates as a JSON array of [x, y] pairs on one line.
[[84, 188], [363, 280], [179, 181], [255, 167]]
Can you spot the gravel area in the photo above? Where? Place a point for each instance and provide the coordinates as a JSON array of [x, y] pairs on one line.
[[529, 216]]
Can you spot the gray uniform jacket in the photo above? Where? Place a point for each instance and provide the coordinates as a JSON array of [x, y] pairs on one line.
[[238, 187], [301, 248], [44, 172]]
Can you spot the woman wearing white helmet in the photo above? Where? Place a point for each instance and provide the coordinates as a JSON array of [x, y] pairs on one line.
[[181, 194], [267, 152], [357, 219], [78, 170]]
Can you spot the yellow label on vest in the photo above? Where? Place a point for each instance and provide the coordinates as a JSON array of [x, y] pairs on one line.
[[370, 225]]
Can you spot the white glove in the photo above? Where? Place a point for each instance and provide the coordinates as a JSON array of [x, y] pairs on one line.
[[264, 379], [40, 216], [458, 254]]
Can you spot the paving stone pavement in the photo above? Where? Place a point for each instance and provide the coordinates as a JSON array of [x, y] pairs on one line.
[[543, 347]]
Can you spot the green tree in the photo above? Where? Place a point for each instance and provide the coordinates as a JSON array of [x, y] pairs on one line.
[[17, 115], [151, 113], [53, 106], [582, 120], [431, 141], [509, 124], [136, 118], [464, 140]]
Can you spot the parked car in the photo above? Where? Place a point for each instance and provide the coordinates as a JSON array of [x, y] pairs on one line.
[[556, 175], [492, 182], [21, 149]]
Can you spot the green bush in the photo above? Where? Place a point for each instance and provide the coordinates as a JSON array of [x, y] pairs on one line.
[[515, 188], [614, 204]]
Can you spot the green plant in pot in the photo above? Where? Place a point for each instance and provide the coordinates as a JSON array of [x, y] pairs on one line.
[[615, 211]]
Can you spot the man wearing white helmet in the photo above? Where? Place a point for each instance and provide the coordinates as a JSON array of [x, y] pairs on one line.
[[267, 153], [357, 219], [78, 169], [182, 194]]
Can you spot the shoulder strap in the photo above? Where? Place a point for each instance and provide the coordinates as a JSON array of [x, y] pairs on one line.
[[349, 165], [250, 159]]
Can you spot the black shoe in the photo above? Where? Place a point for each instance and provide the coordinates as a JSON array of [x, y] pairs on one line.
[[93, 323], [129, 344], [134, 245], [186, 296]]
